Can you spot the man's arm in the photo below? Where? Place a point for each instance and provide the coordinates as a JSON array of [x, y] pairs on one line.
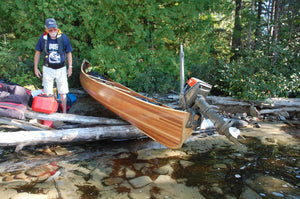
[[69, 59], [36, 63]]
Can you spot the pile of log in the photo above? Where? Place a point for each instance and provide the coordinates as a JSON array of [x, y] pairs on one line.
[[83, 128], [89, 128], [272, 106]]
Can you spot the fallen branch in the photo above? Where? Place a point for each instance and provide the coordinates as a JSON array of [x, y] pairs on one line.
[[287, 109], [87, 120], [23, 124], [24, 138]]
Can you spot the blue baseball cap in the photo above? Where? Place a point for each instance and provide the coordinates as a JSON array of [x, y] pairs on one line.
[[51, 23]]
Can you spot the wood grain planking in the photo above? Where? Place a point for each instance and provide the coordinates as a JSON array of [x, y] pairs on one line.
[[161, 123]]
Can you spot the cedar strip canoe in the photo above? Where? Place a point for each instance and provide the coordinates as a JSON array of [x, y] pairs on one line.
[[160, 122]]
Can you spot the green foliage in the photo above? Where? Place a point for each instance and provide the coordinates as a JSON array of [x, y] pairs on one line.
[[7, 59], [13, 68], [259, 76], [137, 43]]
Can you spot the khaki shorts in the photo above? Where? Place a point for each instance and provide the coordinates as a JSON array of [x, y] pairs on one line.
[[61, 79]]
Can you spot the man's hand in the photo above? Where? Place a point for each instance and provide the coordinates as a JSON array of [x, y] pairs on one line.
[[37, 72], [69, 71]]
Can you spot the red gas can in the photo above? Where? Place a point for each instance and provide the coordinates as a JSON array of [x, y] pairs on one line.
[[47, 123], [44, 104]]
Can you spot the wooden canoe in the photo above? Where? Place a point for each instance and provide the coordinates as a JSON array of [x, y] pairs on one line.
[[160, 122]]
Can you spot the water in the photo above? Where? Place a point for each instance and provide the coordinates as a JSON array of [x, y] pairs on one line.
[[107, 169]]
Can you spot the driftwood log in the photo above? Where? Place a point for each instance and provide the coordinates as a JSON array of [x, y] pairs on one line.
[[25, 138], [269, 103], [83, 120], [87, 120], [269, 106]]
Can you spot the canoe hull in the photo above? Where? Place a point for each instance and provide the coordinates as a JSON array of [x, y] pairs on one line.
[[163, 124]]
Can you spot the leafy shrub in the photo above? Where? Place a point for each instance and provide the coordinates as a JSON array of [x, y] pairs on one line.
[[258, 76], [13, 67]]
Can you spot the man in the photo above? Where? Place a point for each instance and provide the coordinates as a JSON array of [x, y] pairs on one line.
[[56, 49]]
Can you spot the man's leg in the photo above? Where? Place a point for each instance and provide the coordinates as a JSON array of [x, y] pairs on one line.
[[48, 80], [62, 86], [63, 98]]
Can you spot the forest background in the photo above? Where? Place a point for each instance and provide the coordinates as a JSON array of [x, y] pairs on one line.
[[245, 48]]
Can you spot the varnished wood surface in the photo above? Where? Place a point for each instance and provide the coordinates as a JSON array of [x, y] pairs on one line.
[[162, 123]]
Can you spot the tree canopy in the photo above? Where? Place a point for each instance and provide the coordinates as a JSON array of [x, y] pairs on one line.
[[244, 48]]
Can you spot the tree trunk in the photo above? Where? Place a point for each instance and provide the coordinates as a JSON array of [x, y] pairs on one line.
[[24, 138], [86, 120], [236, 37], [257, 30], [271, 103]]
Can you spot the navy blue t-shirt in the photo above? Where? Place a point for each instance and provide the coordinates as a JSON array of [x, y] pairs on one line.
[[54, 56]]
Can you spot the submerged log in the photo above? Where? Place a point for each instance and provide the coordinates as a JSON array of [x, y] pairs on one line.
[[24, 138], [87, 120]]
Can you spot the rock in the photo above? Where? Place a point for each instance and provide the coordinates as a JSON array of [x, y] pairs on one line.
[[7, 178], [164, 179], [203, 145], [168, 188], [140, 181], [220, 166], [98, 175], [47, 150], [282, 118], [21, 176], [254, 112], [215, 188], [298, 163], [123, 155], [185, 163], [239, 123], [249, 193], [227, 196], [143, 192], [268, 140], [29, 196], [257, 125], [272, 186], [162, 153], [139, 166], [81, 171], [167, 169], [146, 170], [240, 116], [7, 192], [113, 181], [42, 170], [61, 151], [129, 173]]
